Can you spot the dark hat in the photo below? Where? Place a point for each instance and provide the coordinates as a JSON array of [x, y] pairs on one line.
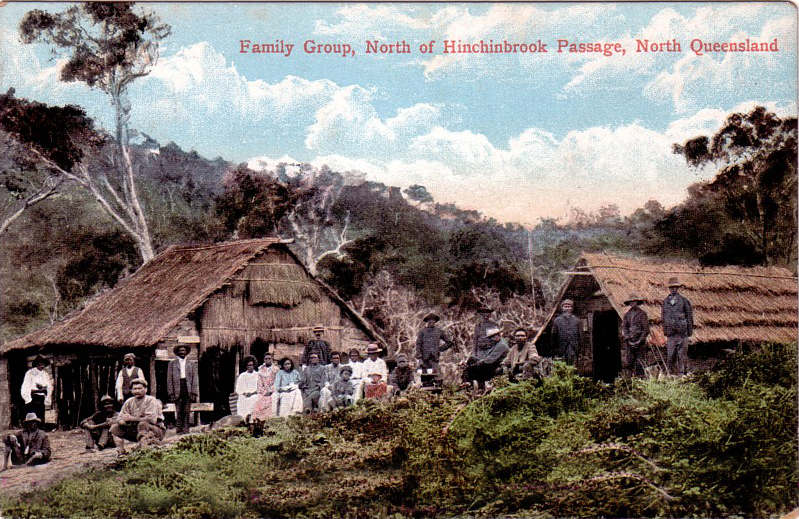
[[318, 329], [431, 317], [344, 368], [181, 345], [106, 398], [633, 297], [373, 348], [675, 282], [401, 357], [31, 417], [485, 310], [38, 358]]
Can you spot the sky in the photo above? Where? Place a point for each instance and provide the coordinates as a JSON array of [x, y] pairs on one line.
[[517, 136]]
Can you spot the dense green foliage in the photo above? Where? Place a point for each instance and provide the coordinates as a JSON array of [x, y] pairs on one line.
[[720, 445]]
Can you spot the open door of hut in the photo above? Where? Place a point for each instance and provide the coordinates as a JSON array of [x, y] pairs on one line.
[[606, 345], [217, 379]]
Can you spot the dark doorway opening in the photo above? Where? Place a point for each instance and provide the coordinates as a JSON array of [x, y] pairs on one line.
[[217, 379], [606, 346]]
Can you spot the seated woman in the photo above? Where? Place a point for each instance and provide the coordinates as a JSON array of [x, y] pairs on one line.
[[247, 388], [266, 405], [289, 396]]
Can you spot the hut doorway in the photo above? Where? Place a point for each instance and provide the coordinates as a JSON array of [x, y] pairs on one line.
[[216, 383], [606, 346]]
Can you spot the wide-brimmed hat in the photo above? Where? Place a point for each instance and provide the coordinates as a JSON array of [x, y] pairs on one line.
[[106, 398], [31, 417], [129, 356], [181, 345], [373, 348], [318, 329], [633, 297], [431, 317], [492, 331], [485, 310], [38, 358], [674, 282]]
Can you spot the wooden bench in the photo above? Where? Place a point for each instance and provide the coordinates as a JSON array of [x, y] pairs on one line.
[[194, 407]]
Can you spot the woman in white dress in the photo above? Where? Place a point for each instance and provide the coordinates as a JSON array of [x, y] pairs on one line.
[[289, 396], [247, 388]]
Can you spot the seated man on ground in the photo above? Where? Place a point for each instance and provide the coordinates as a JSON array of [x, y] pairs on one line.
[[375, 373], [401, 378], [522, 358], [486, 361], [140, 420], [98, 426], [30, 446], [343, 390]]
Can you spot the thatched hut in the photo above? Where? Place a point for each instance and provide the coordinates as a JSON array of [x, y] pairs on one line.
[[225, 301], [733, 306]]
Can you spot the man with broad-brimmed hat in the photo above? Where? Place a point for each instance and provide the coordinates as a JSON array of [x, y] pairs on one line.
[[486, 363], [678, 325], [317, 345], [37, 387], [566, 333], [375, 372], [183, 386], [484, 323], [635, 330], [98, 426], [30, 446], [430, 342], [141, 418], [128, 372]]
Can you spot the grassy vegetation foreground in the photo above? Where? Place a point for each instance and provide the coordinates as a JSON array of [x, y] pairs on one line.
[[723, 444]]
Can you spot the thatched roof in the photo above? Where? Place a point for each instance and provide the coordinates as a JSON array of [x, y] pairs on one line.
[[145, 307], [757, 304]]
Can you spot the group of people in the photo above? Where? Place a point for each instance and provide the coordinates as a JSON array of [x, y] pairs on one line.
[[325, 380], [677, 318]]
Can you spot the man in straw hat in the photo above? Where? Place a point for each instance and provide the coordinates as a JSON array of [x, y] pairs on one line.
[[37, 387], [183, 386], [635, 329], [317, 345], [430, 342], [678, 325], [98, 426], [486, 362], [566, 333], [141, 418], [30, 446], [128, 372], [375, 372]]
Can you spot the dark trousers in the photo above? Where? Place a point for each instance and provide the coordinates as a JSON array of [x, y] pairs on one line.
[[635, 360], [677, 354], [481, 372], [182, 406], [36, 405]]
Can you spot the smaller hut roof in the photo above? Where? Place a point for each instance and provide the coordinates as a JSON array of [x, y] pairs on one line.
[[145, 307], [750, 304]]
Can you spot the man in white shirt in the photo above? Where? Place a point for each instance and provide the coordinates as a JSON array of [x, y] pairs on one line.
[[357, 378], [128, 373], [183, 386], [375, 385], [37, 387]]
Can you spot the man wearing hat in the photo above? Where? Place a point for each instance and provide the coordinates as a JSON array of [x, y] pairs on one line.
[[635, 329], [430, 342], [486, 362], [128, 372], [375, 372], [183, 386], [317, 345], [566, 333], [98, 426], [678, 325], [484, 323], [30, 446], [37, 387], [141, 418]]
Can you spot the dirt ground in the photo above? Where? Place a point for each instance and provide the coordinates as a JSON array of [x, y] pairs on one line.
[[69, 457]]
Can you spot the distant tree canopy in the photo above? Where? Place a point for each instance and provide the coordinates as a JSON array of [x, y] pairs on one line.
[[753, 198]]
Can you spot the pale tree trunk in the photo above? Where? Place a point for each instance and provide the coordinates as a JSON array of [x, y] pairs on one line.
[[48, 189]]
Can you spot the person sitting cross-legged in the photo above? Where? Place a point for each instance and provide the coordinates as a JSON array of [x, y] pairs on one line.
[[29, 446], [140, 420], [401, 379], [98, 426], [343, 390]]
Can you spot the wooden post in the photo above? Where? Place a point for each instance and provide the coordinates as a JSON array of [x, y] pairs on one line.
[[5, 394], [153, 381]]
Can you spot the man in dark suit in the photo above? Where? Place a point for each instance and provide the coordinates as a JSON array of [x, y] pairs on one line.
[[678, 325], [183, 386]]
